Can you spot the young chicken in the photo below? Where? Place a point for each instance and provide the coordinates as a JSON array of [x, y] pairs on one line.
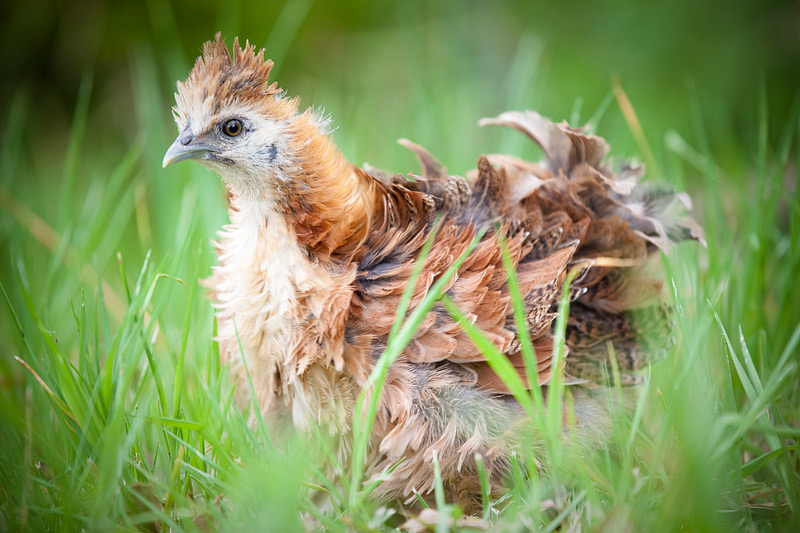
[[319, 252]]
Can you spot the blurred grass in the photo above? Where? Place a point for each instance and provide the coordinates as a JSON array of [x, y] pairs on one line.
[[124, 417]]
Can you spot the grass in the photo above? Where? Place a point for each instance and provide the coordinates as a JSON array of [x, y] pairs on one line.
[[116, 415]]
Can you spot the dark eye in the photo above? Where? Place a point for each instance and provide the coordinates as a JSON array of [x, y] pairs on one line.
[[233, 127]]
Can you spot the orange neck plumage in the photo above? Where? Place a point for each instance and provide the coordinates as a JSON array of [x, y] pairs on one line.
[[328, 202]]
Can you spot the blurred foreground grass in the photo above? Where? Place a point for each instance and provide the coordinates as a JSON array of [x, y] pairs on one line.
[[117, 414]]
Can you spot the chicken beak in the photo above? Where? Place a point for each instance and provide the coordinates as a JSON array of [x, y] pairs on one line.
[[187, 147]]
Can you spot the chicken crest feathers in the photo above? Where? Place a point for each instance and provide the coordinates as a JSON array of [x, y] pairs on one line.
[[220, 77]]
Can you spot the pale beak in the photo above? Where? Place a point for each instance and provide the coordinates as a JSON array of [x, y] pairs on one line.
[[185, 147]]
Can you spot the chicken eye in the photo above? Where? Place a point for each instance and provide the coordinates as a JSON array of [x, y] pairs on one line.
[[232, 128]]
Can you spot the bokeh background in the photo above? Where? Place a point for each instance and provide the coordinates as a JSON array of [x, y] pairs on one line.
[[85, 82], [409, 54], [86, 88]]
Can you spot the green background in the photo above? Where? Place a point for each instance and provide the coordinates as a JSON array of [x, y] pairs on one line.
[[85, 97]]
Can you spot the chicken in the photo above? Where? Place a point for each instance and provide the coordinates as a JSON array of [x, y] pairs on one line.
[[319, 252]]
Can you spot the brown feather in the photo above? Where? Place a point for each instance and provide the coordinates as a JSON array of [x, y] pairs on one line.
[[314, 293]]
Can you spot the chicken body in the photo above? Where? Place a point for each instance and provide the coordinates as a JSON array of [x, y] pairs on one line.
[[318, 254]]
